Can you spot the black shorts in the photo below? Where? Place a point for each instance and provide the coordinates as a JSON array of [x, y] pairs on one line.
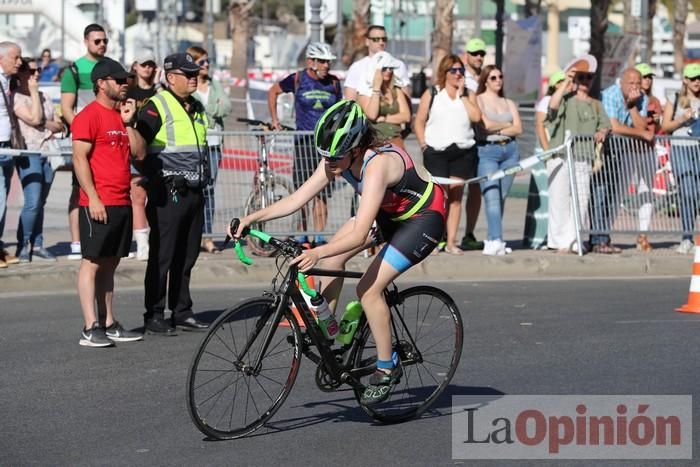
[[411, 241], [99, 240], [306, 160], [74, 181], [452, 161]]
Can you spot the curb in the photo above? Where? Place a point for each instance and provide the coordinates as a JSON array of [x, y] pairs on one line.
[[224, 270]]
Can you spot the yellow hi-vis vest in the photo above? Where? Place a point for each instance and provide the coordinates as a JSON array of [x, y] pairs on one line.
[[181, 143]]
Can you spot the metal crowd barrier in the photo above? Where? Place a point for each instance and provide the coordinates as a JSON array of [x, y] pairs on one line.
[[628, 185]]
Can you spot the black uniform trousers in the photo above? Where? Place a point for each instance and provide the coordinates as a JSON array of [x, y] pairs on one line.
[[176, 233]]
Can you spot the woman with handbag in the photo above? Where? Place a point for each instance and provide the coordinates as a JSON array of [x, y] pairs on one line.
[[38, 124]]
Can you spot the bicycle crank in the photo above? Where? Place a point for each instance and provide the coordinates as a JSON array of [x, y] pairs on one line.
[[324, 380]]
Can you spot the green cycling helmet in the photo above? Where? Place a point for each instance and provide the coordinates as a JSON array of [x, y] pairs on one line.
[[340, 129]]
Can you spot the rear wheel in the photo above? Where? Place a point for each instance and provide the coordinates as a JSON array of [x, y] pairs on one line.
[[276, 189], [427, 336], [227, 396]]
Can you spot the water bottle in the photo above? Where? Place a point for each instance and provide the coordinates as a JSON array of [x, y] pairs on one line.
[[349, 322], [324, 317]]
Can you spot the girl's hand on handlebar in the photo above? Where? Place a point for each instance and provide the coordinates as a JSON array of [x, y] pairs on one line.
[[239, 232], [306, 260]]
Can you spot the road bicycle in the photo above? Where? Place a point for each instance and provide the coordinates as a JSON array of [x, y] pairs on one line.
[[246, 365], [268, 188]]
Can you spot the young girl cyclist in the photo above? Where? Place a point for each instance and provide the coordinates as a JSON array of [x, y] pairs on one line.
[[408, 208]]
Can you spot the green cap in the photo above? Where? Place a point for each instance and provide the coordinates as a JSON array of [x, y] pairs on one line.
[[691, 70], [557, 77], [476, 45], [645, 69]]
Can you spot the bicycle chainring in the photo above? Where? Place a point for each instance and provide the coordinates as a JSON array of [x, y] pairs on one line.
[[324, 380]]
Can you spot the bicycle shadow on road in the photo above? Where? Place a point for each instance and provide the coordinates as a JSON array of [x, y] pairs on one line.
[[346, 409]]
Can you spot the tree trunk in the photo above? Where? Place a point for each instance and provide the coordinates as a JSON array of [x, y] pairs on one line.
[[680, 16], [599, 25], [356, 48], [239, 18], [442, 34], [630, 25], [650, 31], [533, 8]]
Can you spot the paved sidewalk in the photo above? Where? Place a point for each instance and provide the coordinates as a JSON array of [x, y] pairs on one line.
[[222, 270]]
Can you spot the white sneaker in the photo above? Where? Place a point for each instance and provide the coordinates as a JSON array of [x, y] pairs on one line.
[[496, 248], [75, 253], [686, 247], [141, 238]]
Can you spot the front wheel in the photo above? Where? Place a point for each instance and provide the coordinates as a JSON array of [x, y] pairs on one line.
[[227, 395], [427, 335], [262, 196]]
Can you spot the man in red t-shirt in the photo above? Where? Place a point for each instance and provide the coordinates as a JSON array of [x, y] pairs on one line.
[[101, 149]]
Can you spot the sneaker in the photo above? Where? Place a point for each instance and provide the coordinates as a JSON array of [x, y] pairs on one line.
[[469, 242], [441, 245], [380, 384], [43, 254], [95, 337], [75, 252], [686, 247], [117, 333], [25, 254], [496, 248]]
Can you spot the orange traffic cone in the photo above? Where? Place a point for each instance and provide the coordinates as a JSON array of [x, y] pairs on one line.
[[693, 305], [295, 312]]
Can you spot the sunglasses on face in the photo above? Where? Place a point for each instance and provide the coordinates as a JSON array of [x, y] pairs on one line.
[[322, 61], [104, 41], [585, 76], [203, 61], [455, 70], [119, 81], [378, 39], [387, 68], [478, 54], [694, 78], [186, 75], [496, 78], [148, 64]]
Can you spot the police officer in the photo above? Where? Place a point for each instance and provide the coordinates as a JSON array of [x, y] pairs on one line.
[[173, 125]]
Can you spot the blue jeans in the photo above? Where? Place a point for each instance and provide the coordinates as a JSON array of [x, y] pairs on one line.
[[686, 167], [493, 157], [6, 165], [36, 176], [209, 198]]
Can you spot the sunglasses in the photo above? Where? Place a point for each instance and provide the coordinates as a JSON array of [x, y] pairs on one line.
[[322, 61], [148, 64], [204, 61], [455, 70], [478, 54], [496, 78], [387, 68], [585, 76], [694, 78], [378, 39], [104, 41], [31, 71], [119, 81], [186, 75]]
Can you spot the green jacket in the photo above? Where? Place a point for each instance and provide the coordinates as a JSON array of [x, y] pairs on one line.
[[218, 105]]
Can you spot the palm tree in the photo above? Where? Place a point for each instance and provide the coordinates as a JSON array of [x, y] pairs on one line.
[[239, 18], [442, 33], [360, 22]]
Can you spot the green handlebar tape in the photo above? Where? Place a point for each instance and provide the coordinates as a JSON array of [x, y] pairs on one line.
[[261, 235], [241, 254], [305, 286]]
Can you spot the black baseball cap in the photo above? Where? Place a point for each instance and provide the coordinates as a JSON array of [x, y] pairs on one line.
[[108, 68], [180, 61]]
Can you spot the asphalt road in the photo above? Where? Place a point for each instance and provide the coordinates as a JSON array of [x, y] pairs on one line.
[[63, 404]]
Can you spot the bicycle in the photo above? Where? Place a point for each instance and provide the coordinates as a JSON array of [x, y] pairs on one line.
[[251, 355], [268, 188]]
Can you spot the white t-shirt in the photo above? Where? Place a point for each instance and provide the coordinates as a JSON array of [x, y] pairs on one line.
[[356, 77], [543, 105], [212, 140], [448, 123], [471, 83]]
